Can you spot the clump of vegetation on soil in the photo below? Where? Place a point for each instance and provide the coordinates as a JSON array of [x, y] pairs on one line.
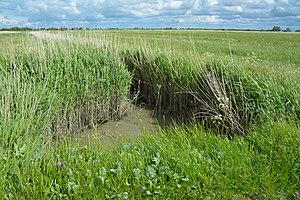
[[220, 95], [75, 86]]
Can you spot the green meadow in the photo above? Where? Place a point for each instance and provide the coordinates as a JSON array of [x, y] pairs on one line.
[[234, 98]]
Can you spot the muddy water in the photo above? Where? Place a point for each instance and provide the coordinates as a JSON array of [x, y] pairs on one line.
[[138, 121]]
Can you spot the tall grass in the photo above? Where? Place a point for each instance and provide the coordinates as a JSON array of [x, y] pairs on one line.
[[217, 92], [90, 84]]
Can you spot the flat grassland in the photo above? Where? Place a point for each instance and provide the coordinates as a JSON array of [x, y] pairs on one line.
[[236, 93]]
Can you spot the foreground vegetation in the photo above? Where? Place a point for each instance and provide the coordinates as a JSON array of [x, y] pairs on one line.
[[179, 163], [223, 84]]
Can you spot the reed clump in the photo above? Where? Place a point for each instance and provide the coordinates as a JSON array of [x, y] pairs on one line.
[[89, 85], [218, 94]]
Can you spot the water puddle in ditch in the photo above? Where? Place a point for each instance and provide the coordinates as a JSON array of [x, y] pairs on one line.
[[138, 121]]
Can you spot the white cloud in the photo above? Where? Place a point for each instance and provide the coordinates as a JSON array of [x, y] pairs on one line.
[[141, 10], [233, 8], [144, 12], [212, 3], [41, 5], [63, 17], [260, 1], [214, 19], [196, 4], [7, 21], [100, 16], [168, 4], [72, 8], [188, 13], [270, 1]]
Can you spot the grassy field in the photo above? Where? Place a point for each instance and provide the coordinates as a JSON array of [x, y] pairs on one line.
[[237, 93]]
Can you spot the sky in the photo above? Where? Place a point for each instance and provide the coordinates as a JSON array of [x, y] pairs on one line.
[[243, 14]]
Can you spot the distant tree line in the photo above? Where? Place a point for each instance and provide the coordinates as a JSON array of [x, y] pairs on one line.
[[278, 29], [17, 29], [275, 29], [43, 29]]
